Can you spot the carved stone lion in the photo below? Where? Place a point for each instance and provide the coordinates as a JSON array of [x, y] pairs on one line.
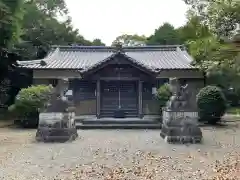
[[180, 95]]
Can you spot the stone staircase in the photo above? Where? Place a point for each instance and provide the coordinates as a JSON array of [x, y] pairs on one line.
[[129, 113], [149, 122]]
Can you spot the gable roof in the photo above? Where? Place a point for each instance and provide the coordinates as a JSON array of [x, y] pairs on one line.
[[83, 58], [134, 62]]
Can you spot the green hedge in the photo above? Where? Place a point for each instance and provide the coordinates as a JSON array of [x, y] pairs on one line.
[[211, 104], [29, 101], [163, 94]]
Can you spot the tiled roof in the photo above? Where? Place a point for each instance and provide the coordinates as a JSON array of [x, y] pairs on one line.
[[87, 57]]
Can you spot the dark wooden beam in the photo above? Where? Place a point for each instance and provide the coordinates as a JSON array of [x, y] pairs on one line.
[[204, 78], [98, 91], [119, 78], [140, 107]]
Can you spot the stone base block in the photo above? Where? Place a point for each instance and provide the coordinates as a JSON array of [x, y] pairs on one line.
[[178, 134], [56, 135]]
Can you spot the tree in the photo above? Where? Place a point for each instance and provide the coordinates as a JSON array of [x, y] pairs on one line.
[[10, 26], [130, 40], [10, 17], [97, 42], [29, 28], [164, 35], [193, 29], [52, 8], [215, 19], [220, 15], [46, 30], [218, 60]]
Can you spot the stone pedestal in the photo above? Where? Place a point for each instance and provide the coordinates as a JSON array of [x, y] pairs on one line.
[[180, 127], [56, 127]]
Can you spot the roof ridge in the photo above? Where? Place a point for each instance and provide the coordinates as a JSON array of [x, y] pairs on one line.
[[124, 48], [82, 47], [52, 54], [181, 53], [154, 46]]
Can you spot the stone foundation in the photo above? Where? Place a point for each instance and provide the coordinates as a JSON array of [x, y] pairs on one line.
[[56, 135], [56, 127], [180, 127], [190, 134]]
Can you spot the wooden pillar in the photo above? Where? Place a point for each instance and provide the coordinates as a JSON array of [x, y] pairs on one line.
[[98, 98], [140, 107]]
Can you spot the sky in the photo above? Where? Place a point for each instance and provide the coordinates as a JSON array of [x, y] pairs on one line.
[[107, 19]]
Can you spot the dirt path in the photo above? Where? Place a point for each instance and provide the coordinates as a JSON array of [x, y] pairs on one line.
[[13, 140], [115, 154]]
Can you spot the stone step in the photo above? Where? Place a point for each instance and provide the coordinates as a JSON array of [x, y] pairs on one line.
[[114, 109], [106, 115], [126, 112], [111, 113], [123, 121], [118, 126]]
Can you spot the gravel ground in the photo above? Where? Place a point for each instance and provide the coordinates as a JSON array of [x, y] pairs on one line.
[[116, 154]]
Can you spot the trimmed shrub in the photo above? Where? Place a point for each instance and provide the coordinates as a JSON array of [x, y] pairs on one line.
[[163, 94], [211, 104], [28, 102]]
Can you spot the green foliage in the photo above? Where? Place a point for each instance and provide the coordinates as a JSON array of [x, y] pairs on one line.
[[4, 87], [28, 28], [234, 110], [219, 60], [42, 29], [201, 50], [164, 35], [211, 104], [97, 42], [221, 16], [213, 22], [30, 100], [130, 40], [163, 94], [10, 22], [193, 29], [11, 14], [51, 7]]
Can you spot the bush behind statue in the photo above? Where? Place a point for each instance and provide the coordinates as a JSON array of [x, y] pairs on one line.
[[163, 94], [29, 101], [211, 104]]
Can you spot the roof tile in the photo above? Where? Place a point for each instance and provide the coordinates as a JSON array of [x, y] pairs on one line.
[[84, 57]]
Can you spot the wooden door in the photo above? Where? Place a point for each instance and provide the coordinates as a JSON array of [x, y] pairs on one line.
[[119, 95]]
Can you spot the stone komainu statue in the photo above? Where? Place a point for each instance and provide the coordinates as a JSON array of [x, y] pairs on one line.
[[56, 122], [58, 101], [179, 117], [180, 96]]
